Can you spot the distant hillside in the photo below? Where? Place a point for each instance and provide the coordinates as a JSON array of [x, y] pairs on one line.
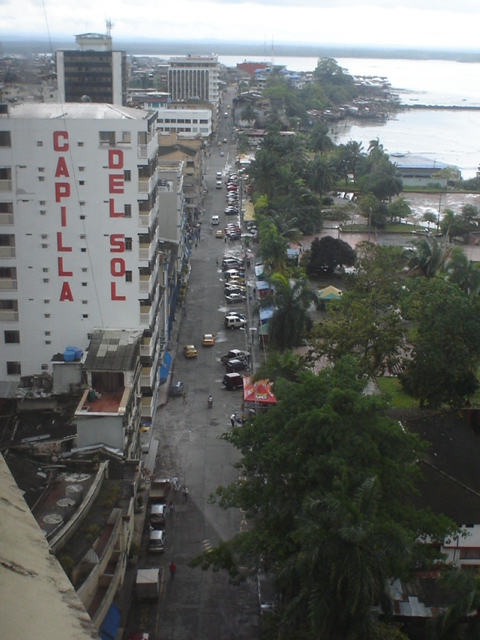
[[11, 44]]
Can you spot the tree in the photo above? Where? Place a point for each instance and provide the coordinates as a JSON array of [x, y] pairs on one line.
[[463, 272], [273, 246], [446, 343], [319, 138], [263, 171], [428, 258], [327, 253], [430, 217], [248, 113], [373, 209], [291, 300], [366, 321], [319, 467], [322, 175], [354, 154], [399, 209]]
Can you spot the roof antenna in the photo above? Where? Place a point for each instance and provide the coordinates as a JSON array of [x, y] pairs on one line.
[[109, 25]]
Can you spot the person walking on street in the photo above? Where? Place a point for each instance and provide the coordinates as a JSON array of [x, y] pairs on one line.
[[175, 483], [232, 419], [171, 508], [184, 397], [173, 568], [185, 493]]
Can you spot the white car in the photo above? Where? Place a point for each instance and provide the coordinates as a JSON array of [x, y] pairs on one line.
[[215, 220], [235, 297]]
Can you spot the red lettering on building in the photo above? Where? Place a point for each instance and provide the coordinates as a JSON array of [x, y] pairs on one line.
[[115, 159], [62, 190], [113, 213], [61, 270], [60, 246], [115, 183], [66, 293], [117, 243], [113, 289], [117, 267], [60, 141], [62, 169]]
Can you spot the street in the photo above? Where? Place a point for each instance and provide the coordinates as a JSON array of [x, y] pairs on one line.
[[198, 605]]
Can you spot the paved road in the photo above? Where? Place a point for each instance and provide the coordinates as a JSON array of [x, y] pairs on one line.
[[200, 605]]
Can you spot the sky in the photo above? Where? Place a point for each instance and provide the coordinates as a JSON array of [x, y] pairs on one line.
[[424, 24]]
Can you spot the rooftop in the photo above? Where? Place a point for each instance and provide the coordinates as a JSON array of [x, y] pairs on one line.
[[76, 110]]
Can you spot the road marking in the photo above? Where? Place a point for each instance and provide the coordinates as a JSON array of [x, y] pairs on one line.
[[206, 545]]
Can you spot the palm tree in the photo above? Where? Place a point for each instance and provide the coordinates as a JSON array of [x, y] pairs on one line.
[[319, 138], [463, 272], [248, 113], [263, 170], [273, 247], [291, 300], [321, 175], [354, 153], [428, 258], [344, 564]]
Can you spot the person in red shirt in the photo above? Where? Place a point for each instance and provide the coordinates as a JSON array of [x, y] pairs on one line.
[[173, 568]]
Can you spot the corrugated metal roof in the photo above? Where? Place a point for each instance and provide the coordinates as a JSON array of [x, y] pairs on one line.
[[113, 351]]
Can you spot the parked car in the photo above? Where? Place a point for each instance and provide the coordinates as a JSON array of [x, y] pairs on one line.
[[233, 298], [190, 351], [237, 314], [157, 516], [232, 322], [232, 381], [231, 211], [176, 388], [234, 353], [156, 541], [234, 288], [208, 340], [236, 365]]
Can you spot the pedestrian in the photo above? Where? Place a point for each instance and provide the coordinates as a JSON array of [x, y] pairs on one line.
[[171, 508], [175, 483], [216, 262], [184, 397], [173, 568], [184, 311], [232, 419], [185, 493]]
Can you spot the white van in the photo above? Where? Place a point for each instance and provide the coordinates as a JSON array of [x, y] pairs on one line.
[[215, 220], [218, 184], [234, 322], [219, 175]]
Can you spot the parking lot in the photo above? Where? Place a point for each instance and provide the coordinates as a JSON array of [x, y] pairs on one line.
[[195, 604]]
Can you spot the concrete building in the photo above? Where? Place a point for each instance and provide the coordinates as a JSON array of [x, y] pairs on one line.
[[94, 71], [194, 77], [79, 235], [189, 122]]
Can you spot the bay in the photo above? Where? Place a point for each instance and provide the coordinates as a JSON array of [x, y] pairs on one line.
[[450, 136]]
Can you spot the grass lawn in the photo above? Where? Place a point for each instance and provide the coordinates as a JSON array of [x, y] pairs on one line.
[[392, 388]]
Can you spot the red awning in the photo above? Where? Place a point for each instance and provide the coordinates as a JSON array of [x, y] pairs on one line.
[[259, 392]]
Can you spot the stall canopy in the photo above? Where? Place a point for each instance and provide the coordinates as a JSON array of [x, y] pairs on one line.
[[165, 368], [258, 392], [329, 293]]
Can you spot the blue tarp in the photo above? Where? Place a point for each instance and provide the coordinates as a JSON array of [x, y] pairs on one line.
[[109, 626], [265, 314], [165, 368]]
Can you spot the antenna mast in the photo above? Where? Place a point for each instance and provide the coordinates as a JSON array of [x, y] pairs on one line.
[[109, 25]]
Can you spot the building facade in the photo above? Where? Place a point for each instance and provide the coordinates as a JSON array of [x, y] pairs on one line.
[[93, 72], [79, 234], [190, 122], [194, 77]]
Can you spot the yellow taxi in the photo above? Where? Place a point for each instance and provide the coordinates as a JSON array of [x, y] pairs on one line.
[[208, 340], [219, 234], [190, 351]]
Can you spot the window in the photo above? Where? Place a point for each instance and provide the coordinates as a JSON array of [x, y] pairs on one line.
[[107, 138], [41, 169], [46, 301], [82, 217], [85, 315], [5, 139], [127, 211], [46, 280], [41, 178], [128, 244], [82, 203], [44, 367], [83, 250], [128, 276], [81, 182], [44, 246], [11, 337], [45, 269], [48, 342], [81, 168], [80, 144], [126, 137], [84, 269], [44, 236], [470, 553], [84, 284], [47, 315], [84, 301], [127, 175], [42, 202], [43, 212], [14, 368], [82, 236], [39, 143], [47, 333]]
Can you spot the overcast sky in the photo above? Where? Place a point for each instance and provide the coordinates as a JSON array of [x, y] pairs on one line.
[[438, 24]]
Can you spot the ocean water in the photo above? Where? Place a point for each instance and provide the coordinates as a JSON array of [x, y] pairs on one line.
[[451, 136]]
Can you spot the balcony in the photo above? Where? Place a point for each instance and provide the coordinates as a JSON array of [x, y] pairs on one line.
[[146, 377], [147, 406], [147, 219], [6, 218], [147, 185], [145, 347], [147, 151], [8, 315], [7, 252], [146, 315], [8, 284]]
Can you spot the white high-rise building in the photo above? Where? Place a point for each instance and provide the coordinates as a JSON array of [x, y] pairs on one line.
[[79, 233], [194, 77]]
